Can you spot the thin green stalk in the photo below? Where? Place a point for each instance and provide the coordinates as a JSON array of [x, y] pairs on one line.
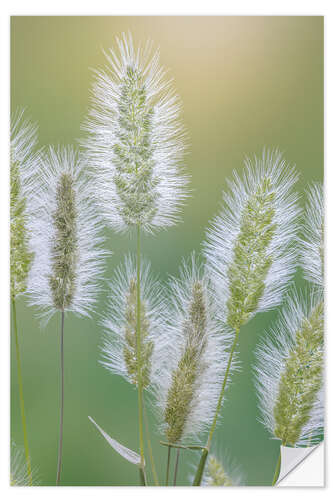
[[202, 463], [151, 456], [61, 397], [176, 468], [138, 354], [20, 384], [168, 467], [277, 469], [182, 447]]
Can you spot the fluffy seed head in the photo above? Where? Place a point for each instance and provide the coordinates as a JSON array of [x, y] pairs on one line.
[[289, 373], [248, 247], [119, 348], [189, 380], [221, 473], [66, 237], [23, 164], [312, 244], [18, 468], [135, 140]]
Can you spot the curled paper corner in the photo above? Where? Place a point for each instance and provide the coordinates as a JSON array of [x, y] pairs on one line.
[[302, 466]]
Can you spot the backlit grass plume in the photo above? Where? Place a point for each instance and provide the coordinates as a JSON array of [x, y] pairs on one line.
[[195, 359], [67, 246], [136, 140], [66, 237], [23, 165], [312, 244], [249, 250], [135, 144], [289, 373], [249, 245], [18, 468], [119, 347], [221, 473]]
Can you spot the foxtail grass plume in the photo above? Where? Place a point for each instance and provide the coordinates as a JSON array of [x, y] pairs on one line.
[[24, 160], [221, 473], [189, 380], [18, 468], [136, 140], [312, 244], [249, 245], [66, 238], [289, 373], [119, 349]]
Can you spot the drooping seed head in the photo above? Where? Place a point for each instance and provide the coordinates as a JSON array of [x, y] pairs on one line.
[[289, 373], [65, 236], [312, 243], [119, 347], [249, 246], [136, 140], [23, 166]]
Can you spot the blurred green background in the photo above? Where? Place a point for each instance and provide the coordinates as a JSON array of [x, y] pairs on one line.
[[245, 82]]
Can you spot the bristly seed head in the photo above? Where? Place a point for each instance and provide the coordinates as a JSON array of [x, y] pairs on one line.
[[190, 366], [66, 240], [312, 243], [301, 379], [249, 247], [23, 166], [136, 141], [130, 347], [20, 256], [215, 474], [133, 153], [65, 249], [289, 373], [248, 271], [119, 347], [18, 468], [195, 356]]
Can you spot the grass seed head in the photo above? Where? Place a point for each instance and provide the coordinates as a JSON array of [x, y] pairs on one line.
[[136, 141], [249, 246], [65, 236], [289, 372], [23, 166]]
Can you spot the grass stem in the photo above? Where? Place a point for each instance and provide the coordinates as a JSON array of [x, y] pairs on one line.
[[20, 384], [61, 397], [202, 463], [176, 467], [277, 469], [168, 466], [138, 353], [182, 447], [151, 456]]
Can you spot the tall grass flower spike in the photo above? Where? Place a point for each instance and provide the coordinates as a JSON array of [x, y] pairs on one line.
[[119, 341], [24, 159], [136, 140], [188, 383], [250, 249], [69, 259], [289, 372]]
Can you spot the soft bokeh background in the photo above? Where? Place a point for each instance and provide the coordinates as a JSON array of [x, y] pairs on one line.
[[246, 82]]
